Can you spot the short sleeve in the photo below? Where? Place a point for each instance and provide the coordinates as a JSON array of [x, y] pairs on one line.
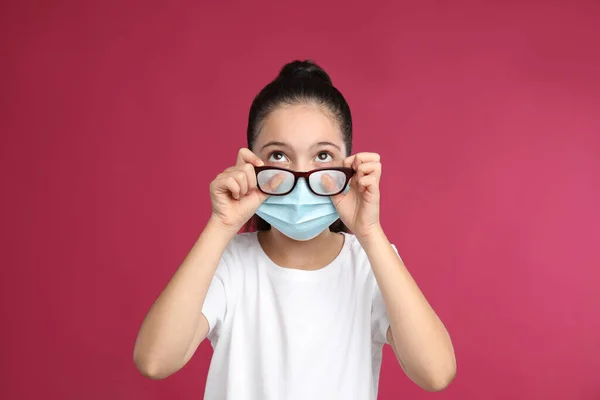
[[215, 303], [379, 318]]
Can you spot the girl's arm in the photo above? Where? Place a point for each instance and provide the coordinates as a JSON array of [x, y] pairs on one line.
[[418, 337], [175, 325]]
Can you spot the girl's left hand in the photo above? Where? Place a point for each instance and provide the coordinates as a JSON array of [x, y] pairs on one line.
[[359, 207]]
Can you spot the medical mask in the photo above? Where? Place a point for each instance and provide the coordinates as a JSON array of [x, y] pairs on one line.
[[301, 214]]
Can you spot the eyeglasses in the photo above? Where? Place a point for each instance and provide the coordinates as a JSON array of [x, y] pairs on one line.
[[276, 181]]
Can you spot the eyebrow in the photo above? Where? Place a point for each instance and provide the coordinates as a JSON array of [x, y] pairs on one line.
[[282, 144], [274, 143], [326, 144]]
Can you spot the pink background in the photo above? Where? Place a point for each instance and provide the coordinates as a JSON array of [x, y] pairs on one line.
[[115, 116]]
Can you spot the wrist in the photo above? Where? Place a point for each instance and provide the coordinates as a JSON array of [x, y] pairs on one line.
[[215, 226], [373, 236]]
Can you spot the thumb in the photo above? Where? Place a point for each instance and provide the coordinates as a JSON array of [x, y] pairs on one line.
[[260, 195], [246, 156], [338, 198]]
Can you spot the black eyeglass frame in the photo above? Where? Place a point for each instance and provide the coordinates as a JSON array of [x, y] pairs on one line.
[[348, 172]]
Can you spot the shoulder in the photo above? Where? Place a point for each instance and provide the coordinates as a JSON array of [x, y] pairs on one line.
[[356, 249], [242, 250], [243, 242], [353, 246], [356, 256], [241, 247]]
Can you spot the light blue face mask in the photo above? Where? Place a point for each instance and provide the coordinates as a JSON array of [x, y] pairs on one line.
[[300, 215]]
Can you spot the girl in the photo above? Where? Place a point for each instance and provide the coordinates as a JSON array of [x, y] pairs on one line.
[[301, 308]]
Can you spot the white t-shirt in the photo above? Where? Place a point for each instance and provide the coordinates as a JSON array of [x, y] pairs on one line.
[[287, 334]]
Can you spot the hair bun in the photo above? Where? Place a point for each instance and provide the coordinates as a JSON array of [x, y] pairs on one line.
[[303, 70]]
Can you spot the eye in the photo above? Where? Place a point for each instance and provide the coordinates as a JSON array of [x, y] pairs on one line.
[[277, 156], [324, 157]]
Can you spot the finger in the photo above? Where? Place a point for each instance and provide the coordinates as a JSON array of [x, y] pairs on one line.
[[329, 183], [274, 182], [368, 157], [242, 180], [233, 187], [349, 161], [362, 158], [246, 156], [248, 169], [368, 183], [369, 168], [261, 196]]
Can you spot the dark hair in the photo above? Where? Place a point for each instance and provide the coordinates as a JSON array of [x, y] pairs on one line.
[[299, 82]]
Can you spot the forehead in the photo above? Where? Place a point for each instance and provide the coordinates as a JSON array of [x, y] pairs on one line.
[[300, 126]]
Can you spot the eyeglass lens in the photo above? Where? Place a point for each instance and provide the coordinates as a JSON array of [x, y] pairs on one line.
[[325, 182]]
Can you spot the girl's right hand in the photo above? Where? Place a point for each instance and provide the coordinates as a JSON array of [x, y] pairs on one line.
[[234, 194]]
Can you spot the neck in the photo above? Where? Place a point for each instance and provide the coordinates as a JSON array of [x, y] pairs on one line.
[[310, 254]]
